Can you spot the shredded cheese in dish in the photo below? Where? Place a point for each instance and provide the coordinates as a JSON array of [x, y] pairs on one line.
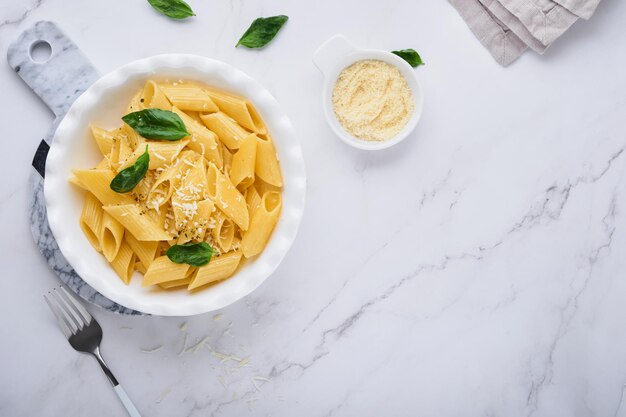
[[372, 100]]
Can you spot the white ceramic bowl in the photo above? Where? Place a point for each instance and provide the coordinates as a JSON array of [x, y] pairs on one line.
[[103, 104], [336, 54]]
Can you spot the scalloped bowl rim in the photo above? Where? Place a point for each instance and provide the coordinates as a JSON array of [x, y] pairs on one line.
[[63, 200]]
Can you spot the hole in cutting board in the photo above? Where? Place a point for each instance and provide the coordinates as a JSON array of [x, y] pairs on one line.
[[40, 51]]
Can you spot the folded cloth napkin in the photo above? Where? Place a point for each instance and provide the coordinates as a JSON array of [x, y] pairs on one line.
[[581, 8], [514, 24], [507, 27], [502, 43], [544, 19]]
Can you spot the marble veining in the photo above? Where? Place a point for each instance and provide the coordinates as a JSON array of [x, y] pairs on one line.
[[24, 14]]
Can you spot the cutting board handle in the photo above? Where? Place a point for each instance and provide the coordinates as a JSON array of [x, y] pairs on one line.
[[60, 79]]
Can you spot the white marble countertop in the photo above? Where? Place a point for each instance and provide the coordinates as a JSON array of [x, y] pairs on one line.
[[477, 269]]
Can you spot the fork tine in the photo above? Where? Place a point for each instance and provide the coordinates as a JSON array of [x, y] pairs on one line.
[[69, 308], [79, 307], [69, 318], [55, 310]]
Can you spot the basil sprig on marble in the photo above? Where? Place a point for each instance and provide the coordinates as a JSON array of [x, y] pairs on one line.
[[411, 56], [194, 254], [176, 9], [157, 124], [128, 178], [262, 31]]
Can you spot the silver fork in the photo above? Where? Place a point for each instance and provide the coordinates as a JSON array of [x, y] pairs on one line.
[[84, 334]]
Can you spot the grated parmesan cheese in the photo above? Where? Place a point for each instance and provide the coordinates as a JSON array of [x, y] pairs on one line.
[[159, 156], [372, 100], [152, 350]]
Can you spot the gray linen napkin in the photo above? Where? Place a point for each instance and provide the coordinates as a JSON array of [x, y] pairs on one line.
[[544, 19], [513, 23], [581, 8], [506, 27], [503, 44]]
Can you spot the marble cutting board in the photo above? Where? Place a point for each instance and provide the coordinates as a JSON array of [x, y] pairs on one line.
[[58, 81]]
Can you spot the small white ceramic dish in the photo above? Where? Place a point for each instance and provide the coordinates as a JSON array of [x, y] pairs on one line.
[[103, 104], [336, 54]]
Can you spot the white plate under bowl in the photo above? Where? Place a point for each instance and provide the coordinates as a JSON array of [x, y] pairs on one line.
[[103, 104]]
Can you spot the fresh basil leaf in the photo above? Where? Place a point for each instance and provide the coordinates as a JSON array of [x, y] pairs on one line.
[[128, 178], [176, 9], [262, 31], [410, 56], [194, 254], [157, 124]]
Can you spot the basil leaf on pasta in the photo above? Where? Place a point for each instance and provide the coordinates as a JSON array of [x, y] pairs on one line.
[[128, 178], [157, 124], [262, 31], [194, 254], [176, 9], [411, 56]]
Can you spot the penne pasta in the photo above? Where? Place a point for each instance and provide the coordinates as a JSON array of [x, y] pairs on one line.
[[120, 151], [202, 140], [195, 116], [135, 104], [239, 109], [262, 187], [134, 219], [177, 283], [145, 250], [220, 267], [91, 220], [132, 138], [154, 98], [201, 220], [190, 204], [163, 270], [164, 185], [97, 182], [75, 181], [227, 158], [188, 97], [227, 130], [162, 154], [196, 227], [261, 225], [111, 236], [104, 164], [266, 165], [140, 267], [243, 165], [226, 197], [124, 263], [104, 139], [253, 199], [224, 232], [220, 185]]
